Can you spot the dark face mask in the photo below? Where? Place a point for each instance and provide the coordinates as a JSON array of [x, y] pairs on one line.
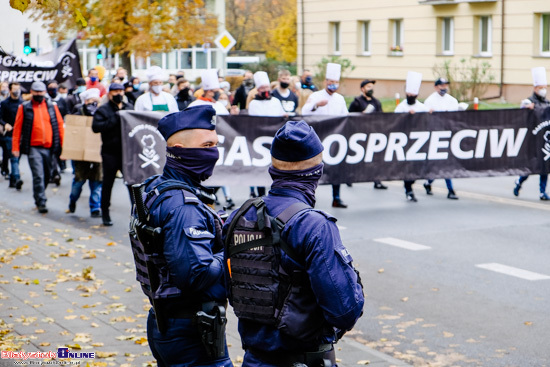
[[52, 92], [248, 82], [442, 92], [411, 100], [184, 93], [37, 98], [369, 93], [93, 79], [263, 95], [17, 94], [305, 181], [216, 95], [197, 163], [90, 108], [284, 85], [117, 98]]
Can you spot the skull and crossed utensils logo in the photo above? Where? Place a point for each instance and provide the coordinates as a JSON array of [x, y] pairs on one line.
[[149, 154]]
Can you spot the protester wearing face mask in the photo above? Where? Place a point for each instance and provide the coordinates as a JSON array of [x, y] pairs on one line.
[[63, 91], [156, 99], [55, 96], [4, 91], [539, 103], [241, 94], [411, 105], [94, 82], [184, 97], [107, 122], [83, 170], [282, 92], [8, 112], [74, 98], [38, 132], [441, 101], [211, 92], [366, 103], [328, 102], [263, 104]]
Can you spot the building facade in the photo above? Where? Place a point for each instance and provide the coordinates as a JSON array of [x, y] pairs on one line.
[[384, 40]]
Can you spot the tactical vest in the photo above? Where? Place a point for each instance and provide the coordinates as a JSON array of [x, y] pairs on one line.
[[152, 199], [259, 286], [28, 121]]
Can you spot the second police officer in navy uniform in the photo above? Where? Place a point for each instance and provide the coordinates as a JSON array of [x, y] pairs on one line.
[[187, 263], [293, 306]]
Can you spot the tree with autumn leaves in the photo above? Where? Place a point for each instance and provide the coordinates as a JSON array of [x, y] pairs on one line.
[[142, 27], [138, 27], [264, 25]]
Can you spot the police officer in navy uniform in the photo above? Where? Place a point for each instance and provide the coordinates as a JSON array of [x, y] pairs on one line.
[[191, 263], [330, 299]]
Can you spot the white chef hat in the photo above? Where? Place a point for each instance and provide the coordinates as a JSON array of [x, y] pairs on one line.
[[539, 76], [209, 79], [333, 71], [89, 94], [261, 79], [155, 73], [414, 80]]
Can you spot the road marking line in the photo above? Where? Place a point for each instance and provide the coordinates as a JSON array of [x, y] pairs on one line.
[[402, 244], [515, 272]]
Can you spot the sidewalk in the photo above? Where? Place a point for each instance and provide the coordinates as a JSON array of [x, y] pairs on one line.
[[61, 286]]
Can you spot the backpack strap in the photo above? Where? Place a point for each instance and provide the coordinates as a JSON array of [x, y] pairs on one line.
[[280, 223]]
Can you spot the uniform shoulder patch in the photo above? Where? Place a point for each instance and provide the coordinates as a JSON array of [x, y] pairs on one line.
[[197, 233]]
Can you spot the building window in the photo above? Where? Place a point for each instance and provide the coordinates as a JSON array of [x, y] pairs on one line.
[[396, 26], [545, 34], [447, 36], [365, 37], [485, 36], [335, 38]]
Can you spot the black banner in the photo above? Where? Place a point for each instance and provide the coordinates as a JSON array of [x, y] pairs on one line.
[[61, 64], [368, 147]]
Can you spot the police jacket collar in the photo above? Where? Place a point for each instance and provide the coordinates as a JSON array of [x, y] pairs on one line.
[[172, 174], [286, 192]]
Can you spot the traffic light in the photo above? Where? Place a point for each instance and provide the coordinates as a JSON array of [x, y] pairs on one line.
[[27, 43], [99, 55], [27, 49]]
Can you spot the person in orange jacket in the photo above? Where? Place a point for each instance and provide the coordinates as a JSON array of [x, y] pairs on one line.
[[38, 132]]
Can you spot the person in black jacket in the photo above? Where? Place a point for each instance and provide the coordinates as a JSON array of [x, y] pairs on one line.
[[241, 93], [185, 95], [107, 122], [362, 102], [366, 103], [8, 111]]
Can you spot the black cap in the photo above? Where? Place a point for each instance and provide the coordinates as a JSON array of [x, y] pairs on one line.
[[440, 81], [367, 81], [80, 81], [116, 86]]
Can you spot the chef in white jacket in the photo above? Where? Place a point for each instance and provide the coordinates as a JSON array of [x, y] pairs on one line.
[[329, 103], [441, 101], [211, 87], [264, 104], [411, 105], [156, 99]]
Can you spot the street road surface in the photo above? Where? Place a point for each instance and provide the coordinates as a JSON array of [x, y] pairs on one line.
[[448, 283]]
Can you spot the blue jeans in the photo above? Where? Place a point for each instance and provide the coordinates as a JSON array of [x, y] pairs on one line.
[[542, 183], [14, 161], [448, 182], [180, 345], [95, 193]]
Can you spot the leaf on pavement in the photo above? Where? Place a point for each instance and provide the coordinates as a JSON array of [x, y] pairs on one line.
[[105, 354], [446, 334], [528, 323], [363, 361]]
